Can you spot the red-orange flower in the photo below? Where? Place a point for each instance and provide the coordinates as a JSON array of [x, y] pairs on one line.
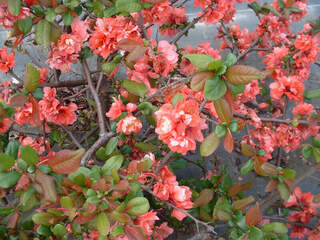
[[6, 60], [4, 125]]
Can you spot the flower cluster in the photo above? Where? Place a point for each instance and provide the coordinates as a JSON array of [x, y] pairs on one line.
[[7, 20], [51, 110], [180, 126], [129, 124], [109, 31], [167, 188], [166, 16], [307, 210], [6, 60], [66, 51]]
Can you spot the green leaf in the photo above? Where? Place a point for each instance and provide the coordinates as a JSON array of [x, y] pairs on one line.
[[178, 97], [5, 211], [12, 149], [236, 89], [220, 131], [128, 6], [138, 206], [255, 233], [31, 79], [295, 9], [101, 154], [67, 18], [283, 190], [6, 162], [25, 25], [14, 7], [214, 65], [51, 15], [221, 70], [230, 60], [180, 163], [135, 88], [312, 93], [145, 147], [103, 224], [281, 3], [233, 126], [46, 33], [289, 174], [66, 202], [275, 227], [214, 88], [146, 108], [247, 167], [316, 154], [109, 12], [209, 144], [112, 145], [59, 230], [307, 151], [200, 61], [29, 155], [316, 142], [9, 179], [114, 162]]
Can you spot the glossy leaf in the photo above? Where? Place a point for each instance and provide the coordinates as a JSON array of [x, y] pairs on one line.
[[205, 196], [255, 233], [103, 224], [269, 169], [253, 215], [32, 77], [243, 203], [223, 110], [35, 111], [114, 162], [284, 191], [128, 6], [17, 100], [247, 167], [275, 227], [247, 150], [209, 144], [136, 54], [46, 33], [29, 155], [25, 25], [271, 186], [214, 88], [242, 74], [44, 218], [230, 60], [228, 142], [135, 88], [111, 145], [307, 151], [138, 206], [198, 81], [48, 186], [200, 61], [66, 161], [14, 7], [6, 162], [9, 179]]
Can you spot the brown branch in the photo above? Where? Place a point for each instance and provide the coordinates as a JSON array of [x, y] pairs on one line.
[[141, 25], [187, 28], [100, 142], [164, 161], [75, 141], [101, 119], [275, 120], [285, 220], [255, 42]]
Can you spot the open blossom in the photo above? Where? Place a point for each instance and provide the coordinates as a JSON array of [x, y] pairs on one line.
[[116, 109], [289, 86], [169, 52], [4, 125], [146, 221], [167, 188], [35, 143], [24, 115], [303, 109], [180, 126], [80, 30], [52, 111], [109, 31], [7, 19], [129, 124], [6, 60]]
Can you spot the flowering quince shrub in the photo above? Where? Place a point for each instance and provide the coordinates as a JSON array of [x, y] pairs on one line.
[[95, 157]]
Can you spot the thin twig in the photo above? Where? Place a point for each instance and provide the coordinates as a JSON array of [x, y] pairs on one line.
[[101, 118], [255, 42], [141, 25], [10, 72], [164, 161], [75, 141]]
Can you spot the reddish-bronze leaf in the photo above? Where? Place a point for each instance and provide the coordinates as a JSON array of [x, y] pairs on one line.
[[17, 100], [48, 186], [223, 110], [242, 74], [254, 215], [199, 80], [228, 142], [229, 97], [257, 166], [269, 169], [247, 150], [13, 219], [243, 203], [35, 111], [272, 185], [23, 182], [209, 144], [128, 44], [154, 1], [66, 161], [204, 198], [134, 233], [237, 188], [136, 54], [83, 219]]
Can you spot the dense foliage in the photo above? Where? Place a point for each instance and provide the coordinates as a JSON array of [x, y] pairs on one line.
[[94, 156]]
